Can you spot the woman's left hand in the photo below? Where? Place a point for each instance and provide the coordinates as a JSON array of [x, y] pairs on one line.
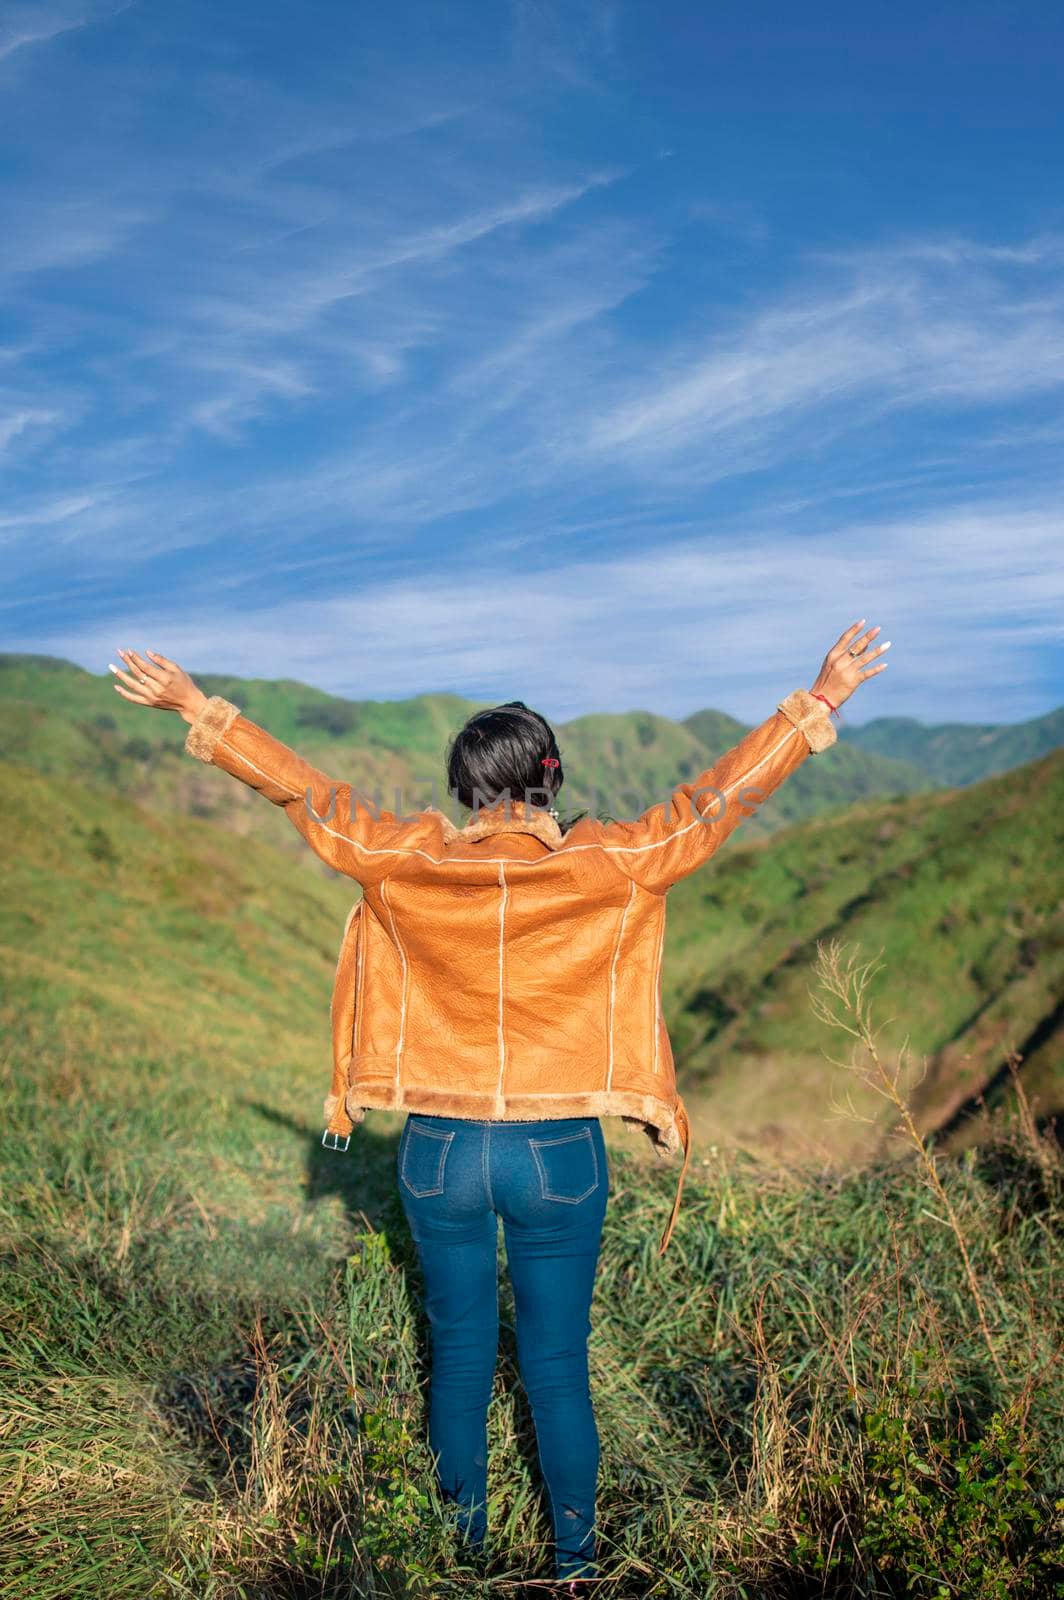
[[158, 682]]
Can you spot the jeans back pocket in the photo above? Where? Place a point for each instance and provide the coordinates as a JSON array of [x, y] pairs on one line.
[[422, 1156], [568, 1166]]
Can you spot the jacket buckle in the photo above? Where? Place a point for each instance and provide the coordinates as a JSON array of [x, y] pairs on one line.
[[335, 1136]]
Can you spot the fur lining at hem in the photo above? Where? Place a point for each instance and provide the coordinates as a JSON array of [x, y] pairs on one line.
[[210, 724], [656, 1118], [811, 716]]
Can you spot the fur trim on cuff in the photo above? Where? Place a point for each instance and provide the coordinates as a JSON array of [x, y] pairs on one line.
[[356, 1112], [335, 1116], [211, 723], [812, 716]]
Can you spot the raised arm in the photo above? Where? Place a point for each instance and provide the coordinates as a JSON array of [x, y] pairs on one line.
[[350, 836], [675, 837]]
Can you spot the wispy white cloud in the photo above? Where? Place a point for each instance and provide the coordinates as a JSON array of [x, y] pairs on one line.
[[26, 23], [887, 333], [248, 385], [732, 619], [482, 306], [45, 232], [49, 513], [292, 299], [571, 43], [533, 390], [15, 423]]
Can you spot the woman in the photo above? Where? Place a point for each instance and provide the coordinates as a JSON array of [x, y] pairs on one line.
[[501, 982]]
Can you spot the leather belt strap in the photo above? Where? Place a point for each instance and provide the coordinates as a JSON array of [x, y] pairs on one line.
[[684, 1125]]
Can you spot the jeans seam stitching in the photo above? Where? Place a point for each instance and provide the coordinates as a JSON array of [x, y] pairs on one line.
[[553, 1516]]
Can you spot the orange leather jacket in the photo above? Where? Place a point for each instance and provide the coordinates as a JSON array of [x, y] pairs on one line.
[[504, 970]]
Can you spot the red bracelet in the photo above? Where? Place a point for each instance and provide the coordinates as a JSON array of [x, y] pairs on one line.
[[826, 701]]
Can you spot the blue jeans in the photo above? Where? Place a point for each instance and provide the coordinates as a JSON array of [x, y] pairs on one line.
[[549, 1182]]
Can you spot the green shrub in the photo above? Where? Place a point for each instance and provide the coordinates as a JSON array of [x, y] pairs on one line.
[[958, 1519]]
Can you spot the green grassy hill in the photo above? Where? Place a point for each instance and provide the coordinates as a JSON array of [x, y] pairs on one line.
[[960, 890], [953, 753], [959, 752], [634, 759], [137, 925]]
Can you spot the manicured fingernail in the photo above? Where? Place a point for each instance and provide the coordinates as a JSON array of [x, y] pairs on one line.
[[112, 666], [885, 646], [860, 622]]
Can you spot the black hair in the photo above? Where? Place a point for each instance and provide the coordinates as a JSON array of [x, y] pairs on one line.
[[500, 754]]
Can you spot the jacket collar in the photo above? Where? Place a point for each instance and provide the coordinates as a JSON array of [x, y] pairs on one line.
[[514, 816]]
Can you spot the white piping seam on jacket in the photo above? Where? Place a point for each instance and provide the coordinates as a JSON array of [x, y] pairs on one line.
[[502, 928], [613, 980], [362, 935], [343, 936], [402, 1012], [340, 954], [657, 992], [444, 861]]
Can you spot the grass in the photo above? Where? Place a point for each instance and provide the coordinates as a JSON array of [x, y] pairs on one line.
[[212, 1357]]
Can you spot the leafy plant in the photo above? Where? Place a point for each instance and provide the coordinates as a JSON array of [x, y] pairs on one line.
[[958, 1519], [392, 1505]]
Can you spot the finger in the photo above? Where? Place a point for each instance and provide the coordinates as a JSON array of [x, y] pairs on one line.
[[871, 671], [126, 677], [858, 647], [148, 669], [136, 698], [152, 685], [878, 651], [164, 661], [844, 638]]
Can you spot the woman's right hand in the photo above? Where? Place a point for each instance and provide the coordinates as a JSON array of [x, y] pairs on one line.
[[842, 672], [158, 682]]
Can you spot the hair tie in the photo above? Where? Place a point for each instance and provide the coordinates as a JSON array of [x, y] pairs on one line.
[[549, 761]]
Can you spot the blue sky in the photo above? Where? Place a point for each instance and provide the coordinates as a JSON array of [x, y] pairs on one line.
[[607, 356]]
